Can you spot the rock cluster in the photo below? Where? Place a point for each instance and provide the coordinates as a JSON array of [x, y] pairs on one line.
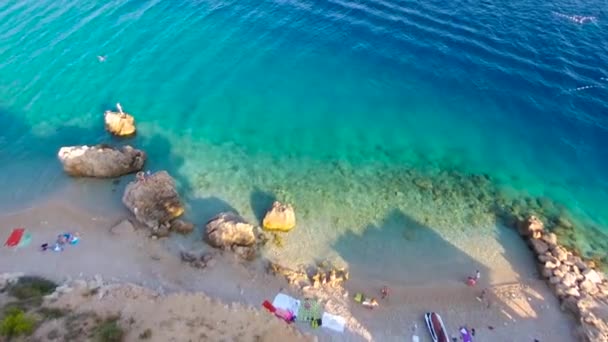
[[323, 275], [581, 288], [119, 123], [201, 261], [154, 201], [281, 217], [7, 279], [229, 231], [101, 161]]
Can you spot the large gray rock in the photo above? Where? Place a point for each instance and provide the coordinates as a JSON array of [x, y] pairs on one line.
[[101, 161], [153, 199], [539, 246], [227, 230]]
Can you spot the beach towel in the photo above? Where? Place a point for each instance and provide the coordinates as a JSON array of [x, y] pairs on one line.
[[309, 310], [333, 322], [15, 237], [285, 302], [25, 240], [269, 306]]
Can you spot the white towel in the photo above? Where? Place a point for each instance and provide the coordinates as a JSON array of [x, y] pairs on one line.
[[285, 302], [333, 322]]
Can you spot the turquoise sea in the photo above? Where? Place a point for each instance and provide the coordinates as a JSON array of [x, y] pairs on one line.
[[444, 112]]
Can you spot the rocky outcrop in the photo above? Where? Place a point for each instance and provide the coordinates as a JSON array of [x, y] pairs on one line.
[[532, 227], [230, 231], [154, 200], [582, 290], [281, 217], [119, 123], [322, 276], [101, 161]]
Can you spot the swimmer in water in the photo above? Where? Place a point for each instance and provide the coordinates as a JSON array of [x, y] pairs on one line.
[[120, 108], [101, 59]]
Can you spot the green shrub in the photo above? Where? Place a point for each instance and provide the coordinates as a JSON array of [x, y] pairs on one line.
[[16, 323], [109, 331], [31, 288]]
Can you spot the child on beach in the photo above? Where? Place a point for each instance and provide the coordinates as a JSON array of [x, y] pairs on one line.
[[472, 281]]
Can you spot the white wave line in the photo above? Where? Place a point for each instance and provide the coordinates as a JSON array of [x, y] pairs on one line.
[[577, 18]]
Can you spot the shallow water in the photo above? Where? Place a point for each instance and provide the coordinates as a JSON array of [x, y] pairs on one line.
[[345, 108]]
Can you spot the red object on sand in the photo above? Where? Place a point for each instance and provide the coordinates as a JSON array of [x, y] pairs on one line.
[[269, 306], [15, 237], [471, 281]]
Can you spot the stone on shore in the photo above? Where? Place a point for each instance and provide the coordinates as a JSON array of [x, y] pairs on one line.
[[532, 227], [181, 226], [119, 124], [593, 276], [153, 199], [101, 161], [230, 231], [539, 246], [569, 279], [281, 217]]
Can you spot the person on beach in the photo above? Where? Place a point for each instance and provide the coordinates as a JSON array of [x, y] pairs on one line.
[[472, 281], [384, 292], [370, 303]]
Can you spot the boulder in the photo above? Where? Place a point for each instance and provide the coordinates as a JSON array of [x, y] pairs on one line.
[[551, 265], [119, 123], [569, 279], [531, 227], [229, 229], [153, 199], [580, 263], [558, 272], [181, 226], [547, 272], [280, 217], [101, 161], [588, 287], [555, 280], [570, 304], [573, 292], [539, 246], [550, 239], [560, 253], [593, 276], [544, 258]]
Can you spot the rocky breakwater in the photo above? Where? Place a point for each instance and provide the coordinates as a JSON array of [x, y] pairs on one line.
[[102, 161], [229, 231], [580, 286], [155, 202], [323, 275]]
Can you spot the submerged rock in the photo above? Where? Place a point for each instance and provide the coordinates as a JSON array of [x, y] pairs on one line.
[[281, 217], [119, 123], [101, 161], [153, 199]]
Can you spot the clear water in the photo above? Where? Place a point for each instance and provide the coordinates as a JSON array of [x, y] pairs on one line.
[[342, 107]]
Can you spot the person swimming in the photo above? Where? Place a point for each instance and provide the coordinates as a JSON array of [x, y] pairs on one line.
[[101, 59]]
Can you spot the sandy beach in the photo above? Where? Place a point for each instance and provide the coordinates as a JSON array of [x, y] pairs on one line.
[[518, 306]]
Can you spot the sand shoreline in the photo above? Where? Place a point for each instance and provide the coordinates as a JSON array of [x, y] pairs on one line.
[[522, 307]]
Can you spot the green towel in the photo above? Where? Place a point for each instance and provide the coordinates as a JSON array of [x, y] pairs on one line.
[[310, 314], [25, 240]]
